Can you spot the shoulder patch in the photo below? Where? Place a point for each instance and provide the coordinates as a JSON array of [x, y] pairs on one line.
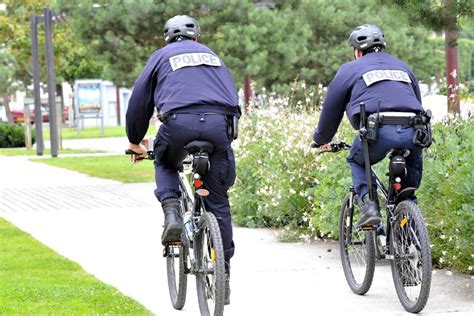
[[194, 59], [374, 76]]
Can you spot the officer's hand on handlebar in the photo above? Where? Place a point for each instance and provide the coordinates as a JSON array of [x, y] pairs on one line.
[[140, 151], [324, 148]]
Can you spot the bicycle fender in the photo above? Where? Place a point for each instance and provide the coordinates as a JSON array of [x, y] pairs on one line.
[[404, 194]]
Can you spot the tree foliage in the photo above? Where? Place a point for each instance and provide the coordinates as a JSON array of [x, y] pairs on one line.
[[435, 14], [72, 59], [303, 40]]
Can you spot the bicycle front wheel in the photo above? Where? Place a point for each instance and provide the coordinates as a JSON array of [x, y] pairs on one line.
[[177, 276], [210, 278], [357, 248], [411, 269]]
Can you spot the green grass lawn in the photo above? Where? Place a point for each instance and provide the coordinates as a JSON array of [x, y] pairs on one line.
[[94, 132], [116, 167], [46, 152], [34, 280]]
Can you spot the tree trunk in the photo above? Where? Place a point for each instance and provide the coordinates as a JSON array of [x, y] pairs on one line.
[[247, 93], [452, 65], [6, 104]]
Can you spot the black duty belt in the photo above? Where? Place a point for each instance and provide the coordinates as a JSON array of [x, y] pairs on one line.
[[395, 118], [165, 117]]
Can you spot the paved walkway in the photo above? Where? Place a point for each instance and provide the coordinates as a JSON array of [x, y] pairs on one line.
[[113, 231]]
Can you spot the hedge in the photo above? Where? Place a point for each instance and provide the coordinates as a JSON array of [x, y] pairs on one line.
[[13, 135], [281, 182]]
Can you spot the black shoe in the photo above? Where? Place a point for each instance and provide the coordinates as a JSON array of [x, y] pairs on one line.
[[227, 289], [370, 215], [173, 221]]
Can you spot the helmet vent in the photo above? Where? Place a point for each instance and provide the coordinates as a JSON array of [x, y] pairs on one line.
[[176, 31], [190, 25], [361, 38]]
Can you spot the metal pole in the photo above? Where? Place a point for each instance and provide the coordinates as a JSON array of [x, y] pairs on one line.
[[36, 85], [28, 141], [48, 24], [117, 105]]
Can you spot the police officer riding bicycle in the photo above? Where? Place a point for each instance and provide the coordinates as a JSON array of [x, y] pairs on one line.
[[391, 94], [196, 98]]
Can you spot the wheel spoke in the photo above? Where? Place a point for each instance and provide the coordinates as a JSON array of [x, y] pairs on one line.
[[412, 265], [357, 250]]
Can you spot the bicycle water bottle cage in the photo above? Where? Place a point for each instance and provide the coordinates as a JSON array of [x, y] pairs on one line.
[[200, 150]]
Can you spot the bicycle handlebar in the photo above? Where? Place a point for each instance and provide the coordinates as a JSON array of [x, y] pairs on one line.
[[150, 154], [332, 147]]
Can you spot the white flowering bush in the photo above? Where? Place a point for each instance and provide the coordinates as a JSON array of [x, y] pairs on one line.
[[279, 175], [281, 182], [446, 195]]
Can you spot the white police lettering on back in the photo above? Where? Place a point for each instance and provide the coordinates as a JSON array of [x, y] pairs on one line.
[[374, 76], [194, 59]]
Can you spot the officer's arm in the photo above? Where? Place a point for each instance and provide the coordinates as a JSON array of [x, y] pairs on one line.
[[416, 86], [141, 104], [332, 112]]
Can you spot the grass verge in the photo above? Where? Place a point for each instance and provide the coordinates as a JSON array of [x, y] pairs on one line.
[[94, 132], [110, 167], [32, 152], [34, 280]]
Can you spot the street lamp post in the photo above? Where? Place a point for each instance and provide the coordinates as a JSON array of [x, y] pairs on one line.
[[36, 84], [53, 117], [48, 28]]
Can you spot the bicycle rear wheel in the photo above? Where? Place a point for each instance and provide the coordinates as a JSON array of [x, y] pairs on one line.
[[357, 248], [177, 276], [411, 269], [210, 279]]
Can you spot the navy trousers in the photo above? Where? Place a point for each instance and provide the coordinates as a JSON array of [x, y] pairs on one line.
[[180, 130], [390, 137]]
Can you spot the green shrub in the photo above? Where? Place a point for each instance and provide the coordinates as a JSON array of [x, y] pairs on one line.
[[281, 182], [446, 195], [278, 172], [13, 135]]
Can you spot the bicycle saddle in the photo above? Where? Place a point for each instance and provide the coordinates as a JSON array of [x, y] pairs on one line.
[[199, 146]]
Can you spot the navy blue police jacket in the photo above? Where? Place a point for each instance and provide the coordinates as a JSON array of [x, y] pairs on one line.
[[372, 78], [183, 76]]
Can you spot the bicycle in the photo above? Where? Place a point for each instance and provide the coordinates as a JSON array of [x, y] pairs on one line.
[[403, 239], [200, 251]]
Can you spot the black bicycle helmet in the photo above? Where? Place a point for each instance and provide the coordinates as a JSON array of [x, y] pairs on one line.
[[366, 36], [181, 25]]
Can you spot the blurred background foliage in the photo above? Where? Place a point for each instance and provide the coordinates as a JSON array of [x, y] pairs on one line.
[[274, 42]]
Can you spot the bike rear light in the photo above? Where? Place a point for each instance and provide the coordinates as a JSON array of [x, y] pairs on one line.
[[397, 186], [197, 183]]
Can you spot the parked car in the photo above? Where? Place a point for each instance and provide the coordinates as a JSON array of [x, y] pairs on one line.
[[19, 115]]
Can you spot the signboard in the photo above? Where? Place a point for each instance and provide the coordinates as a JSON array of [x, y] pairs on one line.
[[88, 98], [89, 102]]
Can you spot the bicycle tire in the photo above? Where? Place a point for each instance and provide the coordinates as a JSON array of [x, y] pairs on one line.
[[210, 279], [411, 269], [177, 278], [358, 254]]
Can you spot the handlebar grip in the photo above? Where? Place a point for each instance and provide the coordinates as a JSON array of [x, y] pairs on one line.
[[130, 152]]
